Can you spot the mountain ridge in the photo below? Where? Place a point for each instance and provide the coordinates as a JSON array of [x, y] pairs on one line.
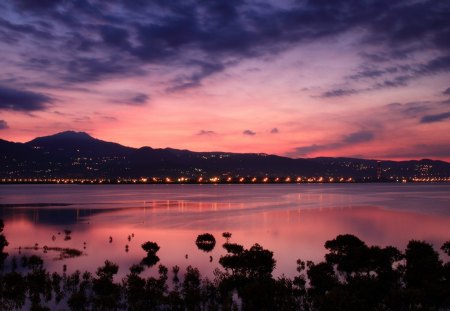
[[79, 155]]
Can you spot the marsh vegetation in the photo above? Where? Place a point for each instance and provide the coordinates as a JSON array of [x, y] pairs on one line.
[[352, 276]]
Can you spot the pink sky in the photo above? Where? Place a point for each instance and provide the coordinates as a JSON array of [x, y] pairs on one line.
[[315, 88]]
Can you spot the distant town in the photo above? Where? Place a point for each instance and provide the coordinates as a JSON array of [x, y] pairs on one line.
[[77, 158]]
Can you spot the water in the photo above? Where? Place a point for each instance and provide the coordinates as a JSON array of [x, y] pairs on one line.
[[293, 221]]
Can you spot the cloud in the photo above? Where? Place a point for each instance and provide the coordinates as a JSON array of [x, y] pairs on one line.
[[435, 65], [3, 125], [118, 38], [435, 117], [411, 109], [206, 133], [305, 150], [139, 99], [447, 91], [109, 118], [19, 100], [339, 93], [358, 137], [397, 81], [195, 79], [89, 69], [249, 133], [355, 138], [37, 5], [114, 36], [274, 131], [430, 151]]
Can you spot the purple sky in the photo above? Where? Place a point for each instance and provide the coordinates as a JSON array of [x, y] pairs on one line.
[[298, 78]]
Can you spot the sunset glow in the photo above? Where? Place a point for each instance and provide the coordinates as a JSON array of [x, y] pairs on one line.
[[367, 79]]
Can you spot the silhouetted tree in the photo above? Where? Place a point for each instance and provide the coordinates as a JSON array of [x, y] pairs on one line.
[[79, 288], [227, 235], [348, 253], [446, 247], [13, 289], [191, 289], [134, 287], [38, 282], [106, 293], [233, 248], [174, 299], [156, 288], [3, 244], [353, 276], [424, 275], [151, 248]]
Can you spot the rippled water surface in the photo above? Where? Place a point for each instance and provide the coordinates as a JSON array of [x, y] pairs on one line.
[[293, 221]]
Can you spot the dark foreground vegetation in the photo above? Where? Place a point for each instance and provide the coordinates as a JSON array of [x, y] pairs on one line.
[[353, 276]]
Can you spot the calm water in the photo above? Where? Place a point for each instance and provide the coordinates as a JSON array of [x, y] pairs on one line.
[[293, 221]]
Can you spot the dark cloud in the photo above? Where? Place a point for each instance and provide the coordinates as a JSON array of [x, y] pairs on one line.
[[114, 36], [95, 69], [436, 65], [447, 91], [347, 140], [249, 133], [3, 125], [358, 137], [138, 99], [16, 29], [394, 76], [420, 151], [195, 79], [98, 40], [339, 93], [109, 118], [206, 133], [274, 131], [435, 117], [20, 100], [394, 82], [411, 109], [305, 150], [33, 5]]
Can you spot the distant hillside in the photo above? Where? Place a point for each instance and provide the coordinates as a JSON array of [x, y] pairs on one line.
[[78, 155]]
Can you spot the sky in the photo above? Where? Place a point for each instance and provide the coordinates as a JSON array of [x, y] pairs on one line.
[[304, 78]]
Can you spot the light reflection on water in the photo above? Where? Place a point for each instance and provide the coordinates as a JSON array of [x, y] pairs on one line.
[[294, 221]]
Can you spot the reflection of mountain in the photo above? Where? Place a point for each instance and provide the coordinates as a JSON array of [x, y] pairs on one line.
[[52, 215], [76, 154]]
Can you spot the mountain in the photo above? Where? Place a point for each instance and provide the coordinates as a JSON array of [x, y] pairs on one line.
[[73, 144], [78, 155]]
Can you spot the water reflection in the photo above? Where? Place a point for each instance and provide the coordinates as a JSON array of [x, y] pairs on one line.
[[293, 222]]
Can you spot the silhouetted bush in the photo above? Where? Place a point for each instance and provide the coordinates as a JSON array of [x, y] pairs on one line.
[[233, 248], [151, 259], [353, 276], [227, 235], [206, 242], [3, 244], [446, 247], [150, 247]]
